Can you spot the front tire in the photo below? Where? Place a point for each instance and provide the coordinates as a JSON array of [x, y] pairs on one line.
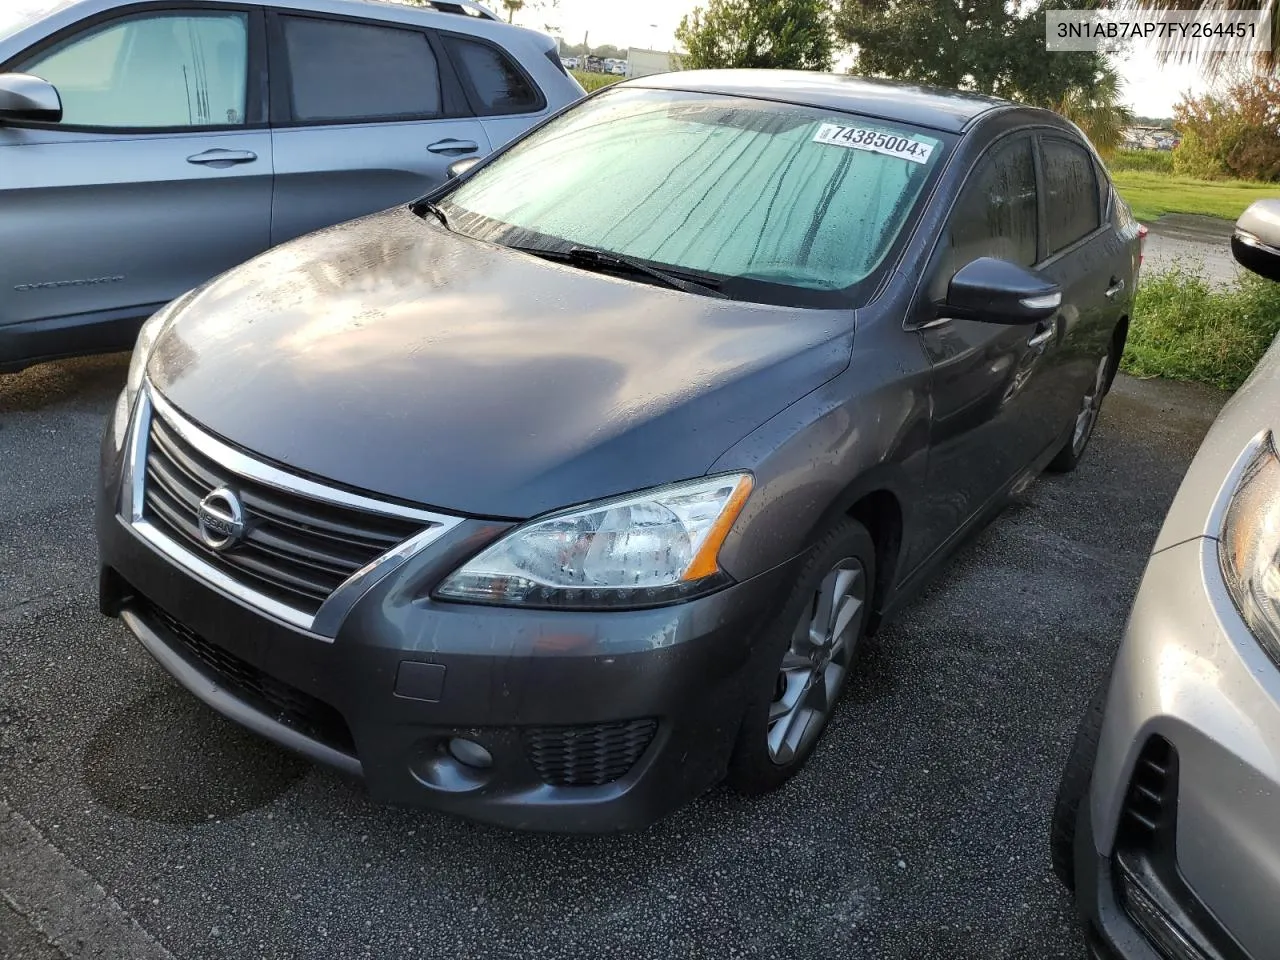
[[1073, 790], [805, 659]]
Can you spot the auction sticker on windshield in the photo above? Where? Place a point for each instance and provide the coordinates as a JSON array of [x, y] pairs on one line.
[[876, 141]]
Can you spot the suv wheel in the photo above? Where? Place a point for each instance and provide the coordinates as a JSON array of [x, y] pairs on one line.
[[1073, 790], [805, 660]]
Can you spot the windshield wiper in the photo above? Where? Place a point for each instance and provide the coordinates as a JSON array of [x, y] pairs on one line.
[[426, 206], [589, 258]]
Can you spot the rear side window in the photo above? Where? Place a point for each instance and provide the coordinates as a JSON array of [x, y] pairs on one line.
[[494, 77], [1071, 193], [996, 213], [358, 71]]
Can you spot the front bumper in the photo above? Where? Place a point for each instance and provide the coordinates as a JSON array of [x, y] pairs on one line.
[[1189, 673], [648, 700]]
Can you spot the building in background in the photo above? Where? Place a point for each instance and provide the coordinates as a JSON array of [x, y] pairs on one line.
[[644, 63]]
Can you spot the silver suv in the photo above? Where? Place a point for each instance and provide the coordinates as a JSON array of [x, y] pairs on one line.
[[1167, 821], [146, 147]]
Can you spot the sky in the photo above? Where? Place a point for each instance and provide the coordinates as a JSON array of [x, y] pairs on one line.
[[1151, 90]]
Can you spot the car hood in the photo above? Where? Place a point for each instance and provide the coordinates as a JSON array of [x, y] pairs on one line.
[[392, 356]]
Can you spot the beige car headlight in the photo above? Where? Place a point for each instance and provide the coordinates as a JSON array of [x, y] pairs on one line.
[[1249, 546]]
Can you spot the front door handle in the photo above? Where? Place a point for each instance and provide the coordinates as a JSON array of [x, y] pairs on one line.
[[1042, 335], [223, 158], [1116, 288], [450, 147]]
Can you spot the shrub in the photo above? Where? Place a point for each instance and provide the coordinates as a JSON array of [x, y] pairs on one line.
[[594, 81], [1184, 328], [1149, 161], [1232, 134]]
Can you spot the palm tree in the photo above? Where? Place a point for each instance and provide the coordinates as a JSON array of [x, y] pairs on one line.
[[512, 6], [1099, 112], [1217, 62]]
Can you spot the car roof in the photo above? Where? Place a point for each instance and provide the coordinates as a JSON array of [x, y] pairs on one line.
[[937, 107], [469, 16]]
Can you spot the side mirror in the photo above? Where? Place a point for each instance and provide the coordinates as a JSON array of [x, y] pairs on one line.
[[997, 291], [459, 167], [24, 97], [1256, 241]]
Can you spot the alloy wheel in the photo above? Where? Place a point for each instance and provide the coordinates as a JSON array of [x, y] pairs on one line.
[[1090, 406], [817, 661]]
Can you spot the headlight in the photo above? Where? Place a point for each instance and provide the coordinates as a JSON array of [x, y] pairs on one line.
[[642, 550], [1249, 548]]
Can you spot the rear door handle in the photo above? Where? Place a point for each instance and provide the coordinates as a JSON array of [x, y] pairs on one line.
[[450, 147], [1116, 288], [1043, 336], [223, 158]]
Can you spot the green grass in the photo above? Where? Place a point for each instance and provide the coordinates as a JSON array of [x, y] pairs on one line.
[[1155, 161], [594, 81], [1185, 329], [1152, 195]]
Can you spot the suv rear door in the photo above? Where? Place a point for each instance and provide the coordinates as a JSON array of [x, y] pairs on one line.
[[366, 114], [157, 177]]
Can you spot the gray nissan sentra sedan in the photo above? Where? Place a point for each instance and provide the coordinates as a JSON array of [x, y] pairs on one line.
[[575, 487], [1167, 823]]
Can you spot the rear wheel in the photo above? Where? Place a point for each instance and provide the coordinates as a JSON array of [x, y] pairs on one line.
[[803, 664], [1072, 453]]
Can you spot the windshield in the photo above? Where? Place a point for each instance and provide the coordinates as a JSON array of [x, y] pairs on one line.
[[796, 204], [17, 15]]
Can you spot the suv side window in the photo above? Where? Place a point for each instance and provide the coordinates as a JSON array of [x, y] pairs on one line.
[[1071, 192], [996, 214], [160, 70], [345, 71], [493, 76]]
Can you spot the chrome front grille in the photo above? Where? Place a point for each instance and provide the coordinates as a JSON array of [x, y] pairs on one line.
[[306, 551], [294, 549]]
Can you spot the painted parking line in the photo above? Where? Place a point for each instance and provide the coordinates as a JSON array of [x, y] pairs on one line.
[[64, 903]]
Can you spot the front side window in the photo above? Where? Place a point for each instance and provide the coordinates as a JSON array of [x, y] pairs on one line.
[[166, 70], [1071, 193], [771, 195], [342, 71], [498, 82], [996, 213]]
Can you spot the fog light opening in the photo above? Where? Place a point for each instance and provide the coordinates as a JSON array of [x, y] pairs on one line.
[[469, 753]]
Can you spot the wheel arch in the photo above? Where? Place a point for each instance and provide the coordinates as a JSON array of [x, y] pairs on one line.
[[875, 501], [1119, 336]]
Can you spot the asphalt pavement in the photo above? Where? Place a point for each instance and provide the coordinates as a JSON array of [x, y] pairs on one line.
[[136, 823], [1199, 244]]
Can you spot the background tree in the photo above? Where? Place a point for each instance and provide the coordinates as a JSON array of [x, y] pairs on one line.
[[1215, 63], [980, 45], [793, 34], [1231, 133], [512, 7], [1096, 109]]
